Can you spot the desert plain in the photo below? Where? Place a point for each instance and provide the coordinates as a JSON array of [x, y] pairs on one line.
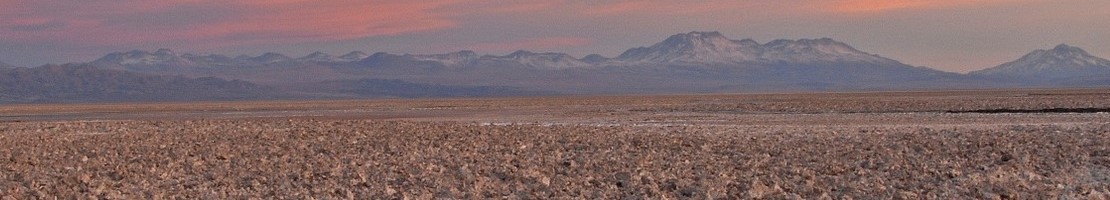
[[972, 144]]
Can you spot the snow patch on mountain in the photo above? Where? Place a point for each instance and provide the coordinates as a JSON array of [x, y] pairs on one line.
[[353, 56], [453, 59], [317, 57], [138, 57], [541, 60]]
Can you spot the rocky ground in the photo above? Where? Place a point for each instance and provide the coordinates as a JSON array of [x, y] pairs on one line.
[[680, 147]]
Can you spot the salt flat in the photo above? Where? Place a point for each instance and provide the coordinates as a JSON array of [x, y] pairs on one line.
[[929, 144]]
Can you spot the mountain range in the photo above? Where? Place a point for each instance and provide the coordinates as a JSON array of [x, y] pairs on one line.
[[85, 83], [694, 62]]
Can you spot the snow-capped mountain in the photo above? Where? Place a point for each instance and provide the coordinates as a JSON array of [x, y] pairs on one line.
[[353, 56], [712, 47], [165, 58], [686, 48], [1063, 61], [694, 47], [539, 60], [162, 57], [211, 60], [470, 59], [681, 63], [317, 57], [453, 59], [321, 57], [268, 58], [818, 50]]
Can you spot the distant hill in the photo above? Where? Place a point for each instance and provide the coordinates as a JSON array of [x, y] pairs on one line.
[[692, 62], [383, 88], [682, 63], [82, 83], [1062, 65]]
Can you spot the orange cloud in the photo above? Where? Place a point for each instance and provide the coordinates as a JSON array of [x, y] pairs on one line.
[[534, 43]]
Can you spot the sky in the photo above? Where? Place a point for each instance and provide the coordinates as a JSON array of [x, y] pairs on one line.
[[949, 35]]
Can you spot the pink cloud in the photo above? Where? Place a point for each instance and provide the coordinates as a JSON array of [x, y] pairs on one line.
[[533, 43], [214, 23], [663, 7], [521, 6], [801, 7], [329, 21], [870, 6]]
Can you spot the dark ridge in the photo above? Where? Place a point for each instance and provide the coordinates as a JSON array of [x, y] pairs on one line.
[[1047, 110]]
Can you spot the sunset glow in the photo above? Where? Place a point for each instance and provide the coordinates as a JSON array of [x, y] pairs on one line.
[[856, 6], [923, 32]]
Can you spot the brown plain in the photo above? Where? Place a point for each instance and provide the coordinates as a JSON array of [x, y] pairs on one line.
[[881, 145]]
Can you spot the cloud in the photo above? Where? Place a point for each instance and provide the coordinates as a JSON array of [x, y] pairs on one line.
[[800, 7], [520, 6], [214, 23], [211, 24], [533, 43], [871, 6], [662, 7]]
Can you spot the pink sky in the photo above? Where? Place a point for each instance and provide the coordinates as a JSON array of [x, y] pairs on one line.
[[952, 35]]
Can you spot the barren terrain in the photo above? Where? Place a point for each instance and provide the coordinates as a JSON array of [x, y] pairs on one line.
[[1023, 144]]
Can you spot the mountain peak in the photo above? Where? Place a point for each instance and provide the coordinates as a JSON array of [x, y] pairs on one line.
[[705, 47], [700, 34], [354, 55], [140, 57], [453, 59], [712, 47], [546, 60], [1062, 46], [1066, 49], [317, 57], [1059, 62], [464, 53], [823, 46], [164, 52], [696, 38], [521, 53], [594, 59]]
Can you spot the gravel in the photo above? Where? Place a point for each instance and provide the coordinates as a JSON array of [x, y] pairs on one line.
[[611, 153]]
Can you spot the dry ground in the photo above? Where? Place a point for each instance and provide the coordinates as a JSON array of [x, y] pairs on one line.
[[901, 145]]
